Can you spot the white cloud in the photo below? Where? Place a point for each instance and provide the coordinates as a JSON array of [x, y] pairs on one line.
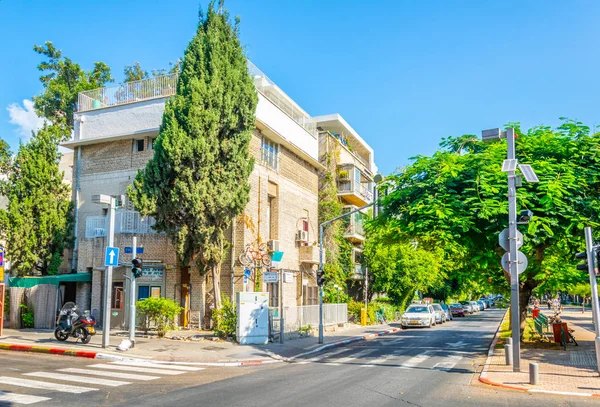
[[25, 118]]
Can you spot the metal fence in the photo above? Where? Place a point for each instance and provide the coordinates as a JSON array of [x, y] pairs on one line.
[[125, 222], [159, 86], [297, 317]]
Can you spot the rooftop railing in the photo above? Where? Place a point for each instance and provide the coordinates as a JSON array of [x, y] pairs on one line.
[[166, 85]]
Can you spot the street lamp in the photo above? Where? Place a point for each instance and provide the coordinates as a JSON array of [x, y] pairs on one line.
[[515, 266], [112, 201]]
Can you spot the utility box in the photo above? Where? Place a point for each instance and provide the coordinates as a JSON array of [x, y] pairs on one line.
[[252, 318]]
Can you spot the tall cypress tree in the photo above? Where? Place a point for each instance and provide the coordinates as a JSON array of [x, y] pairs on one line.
[[37, 225], [197, 181]]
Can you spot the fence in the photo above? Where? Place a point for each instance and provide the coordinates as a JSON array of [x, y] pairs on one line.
[[297, 317], [125, 222]]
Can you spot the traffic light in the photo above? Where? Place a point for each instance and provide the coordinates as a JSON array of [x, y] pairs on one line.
[[582, 256], [136, 269], [320, 278]]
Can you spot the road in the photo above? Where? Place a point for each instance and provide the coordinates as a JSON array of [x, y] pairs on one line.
[[420, 367]]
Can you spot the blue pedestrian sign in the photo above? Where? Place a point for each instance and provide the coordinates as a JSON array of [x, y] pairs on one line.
[[111, 257]]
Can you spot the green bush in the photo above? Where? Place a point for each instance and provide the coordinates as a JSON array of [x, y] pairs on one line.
[[225, 319], [354, 308], [26, 316], [389, 310], [159, 312]]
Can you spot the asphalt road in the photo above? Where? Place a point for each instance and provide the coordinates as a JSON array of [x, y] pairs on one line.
[[417, 367]]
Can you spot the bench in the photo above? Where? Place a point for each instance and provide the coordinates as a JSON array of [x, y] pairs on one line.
[[542, 327]]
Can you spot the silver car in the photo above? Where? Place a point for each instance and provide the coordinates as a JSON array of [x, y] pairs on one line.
[[440, 314], [475, 306]]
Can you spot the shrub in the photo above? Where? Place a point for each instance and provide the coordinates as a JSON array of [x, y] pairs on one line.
[[27, 316], [225, 320], [159, 312], [354, 308]]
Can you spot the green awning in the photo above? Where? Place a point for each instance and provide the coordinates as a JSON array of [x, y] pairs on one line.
[[28, 282]]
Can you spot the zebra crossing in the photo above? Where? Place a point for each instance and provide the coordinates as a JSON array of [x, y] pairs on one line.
[[84, 380], [398, 358]]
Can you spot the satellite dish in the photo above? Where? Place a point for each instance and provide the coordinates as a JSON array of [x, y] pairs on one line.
[[378, 178]]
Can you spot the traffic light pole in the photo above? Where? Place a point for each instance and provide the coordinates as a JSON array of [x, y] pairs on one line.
[[108, 276], [591, 261], [515, 315], [132, 316]]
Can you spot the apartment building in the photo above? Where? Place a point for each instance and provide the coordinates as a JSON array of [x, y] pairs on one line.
[[355, 168], [115, 130]]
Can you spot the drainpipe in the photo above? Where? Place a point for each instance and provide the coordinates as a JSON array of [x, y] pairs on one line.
[[233, 260], [76, 223]]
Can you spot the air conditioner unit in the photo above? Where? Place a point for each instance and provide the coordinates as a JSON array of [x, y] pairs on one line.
[[273, 245], [302, 236], [99, 232]]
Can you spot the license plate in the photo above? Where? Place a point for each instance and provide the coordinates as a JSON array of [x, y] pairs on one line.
[[91, 330], [414, 322]]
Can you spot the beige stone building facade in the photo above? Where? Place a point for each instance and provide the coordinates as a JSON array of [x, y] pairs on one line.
[[115, 128]]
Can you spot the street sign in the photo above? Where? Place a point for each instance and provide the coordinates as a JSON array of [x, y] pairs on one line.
[[288, 277], [111, 256], [276, 258], [138, 250], [521, 262], [270, 277], [247, 273], [504, 242], [245, 279]]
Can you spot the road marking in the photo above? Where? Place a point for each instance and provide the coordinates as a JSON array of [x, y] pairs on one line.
[[458, 344], [325, 355], [20, 398], [415, 360], [116, 375], [138, 369], [76, 379], [448, 364], [375, 362], [351, 357], [34, 384], [157, 365]]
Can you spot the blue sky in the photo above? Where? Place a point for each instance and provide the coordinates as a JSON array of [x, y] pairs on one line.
[[404, 73]]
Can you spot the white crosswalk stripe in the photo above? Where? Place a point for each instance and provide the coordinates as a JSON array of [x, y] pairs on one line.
[[20, 398], [78, 379], [116, 375], [415, 361], [158, 365], [139, 369], [448, 363], [36, 384]]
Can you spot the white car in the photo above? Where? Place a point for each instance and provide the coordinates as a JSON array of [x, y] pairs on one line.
[[440, 314], [418, 315], [476, 307]]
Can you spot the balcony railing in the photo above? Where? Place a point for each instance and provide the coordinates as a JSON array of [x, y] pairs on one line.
[[125, 222], [354, 229], [358, 272], [136, 91], [278, 97], [362, 189]]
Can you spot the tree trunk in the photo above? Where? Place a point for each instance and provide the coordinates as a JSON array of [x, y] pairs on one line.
[[216, 275]]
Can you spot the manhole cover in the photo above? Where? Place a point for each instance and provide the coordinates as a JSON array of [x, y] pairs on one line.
[[213, 348]]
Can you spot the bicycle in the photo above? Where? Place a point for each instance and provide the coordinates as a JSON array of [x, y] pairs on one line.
[[380, 317], [255, 252]]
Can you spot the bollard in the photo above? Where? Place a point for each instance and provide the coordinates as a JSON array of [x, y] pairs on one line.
[[509, 341], [508, 354], [534, 373]]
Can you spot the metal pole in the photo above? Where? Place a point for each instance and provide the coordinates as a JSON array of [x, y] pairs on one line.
[[132, 297], [108, 276], [534, 373], [281, 318], [591, 260], [512, 263], [366, 287], [320, 286]]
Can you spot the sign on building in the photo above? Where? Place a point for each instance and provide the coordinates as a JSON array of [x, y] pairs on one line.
[[270, 277]]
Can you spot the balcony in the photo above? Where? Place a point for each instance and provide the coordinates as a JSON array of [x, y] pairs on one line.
[[309, 254], [354, 230], [354, 186], [125, 222], [358, 273], [129, 92]]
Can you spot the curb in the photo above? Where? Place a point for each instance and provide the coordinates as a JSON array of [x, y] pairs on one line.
[[115, 358], [483, 375], [344, 343]]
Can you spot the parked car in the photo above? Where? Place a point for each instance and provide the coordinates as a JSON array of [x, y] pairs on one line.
[[446, 309], [457, 310], [440, 315], [468, 306], [418, 315], [475, 306], [482, 305]]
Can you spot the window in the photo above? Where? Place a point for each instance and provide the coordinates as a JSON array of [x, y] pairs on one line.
[[118, 296], [151, 144], [138, 146], [310, 295], [269, 153], [273, 289]]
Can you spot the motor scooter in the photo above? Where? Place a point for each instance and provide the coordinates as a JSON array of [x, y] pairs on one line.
[[70, 323]]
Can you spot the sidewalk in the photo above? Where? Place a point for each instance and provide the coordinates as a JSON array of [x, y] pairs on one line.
[[571, 372], [204, 349]]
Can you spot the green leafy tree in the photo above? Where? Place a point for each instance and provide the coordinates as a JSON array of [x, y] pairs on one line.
[[197, 182], [63, 79], [456, 201], [37, 224], [5, 164], [134, 73]]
